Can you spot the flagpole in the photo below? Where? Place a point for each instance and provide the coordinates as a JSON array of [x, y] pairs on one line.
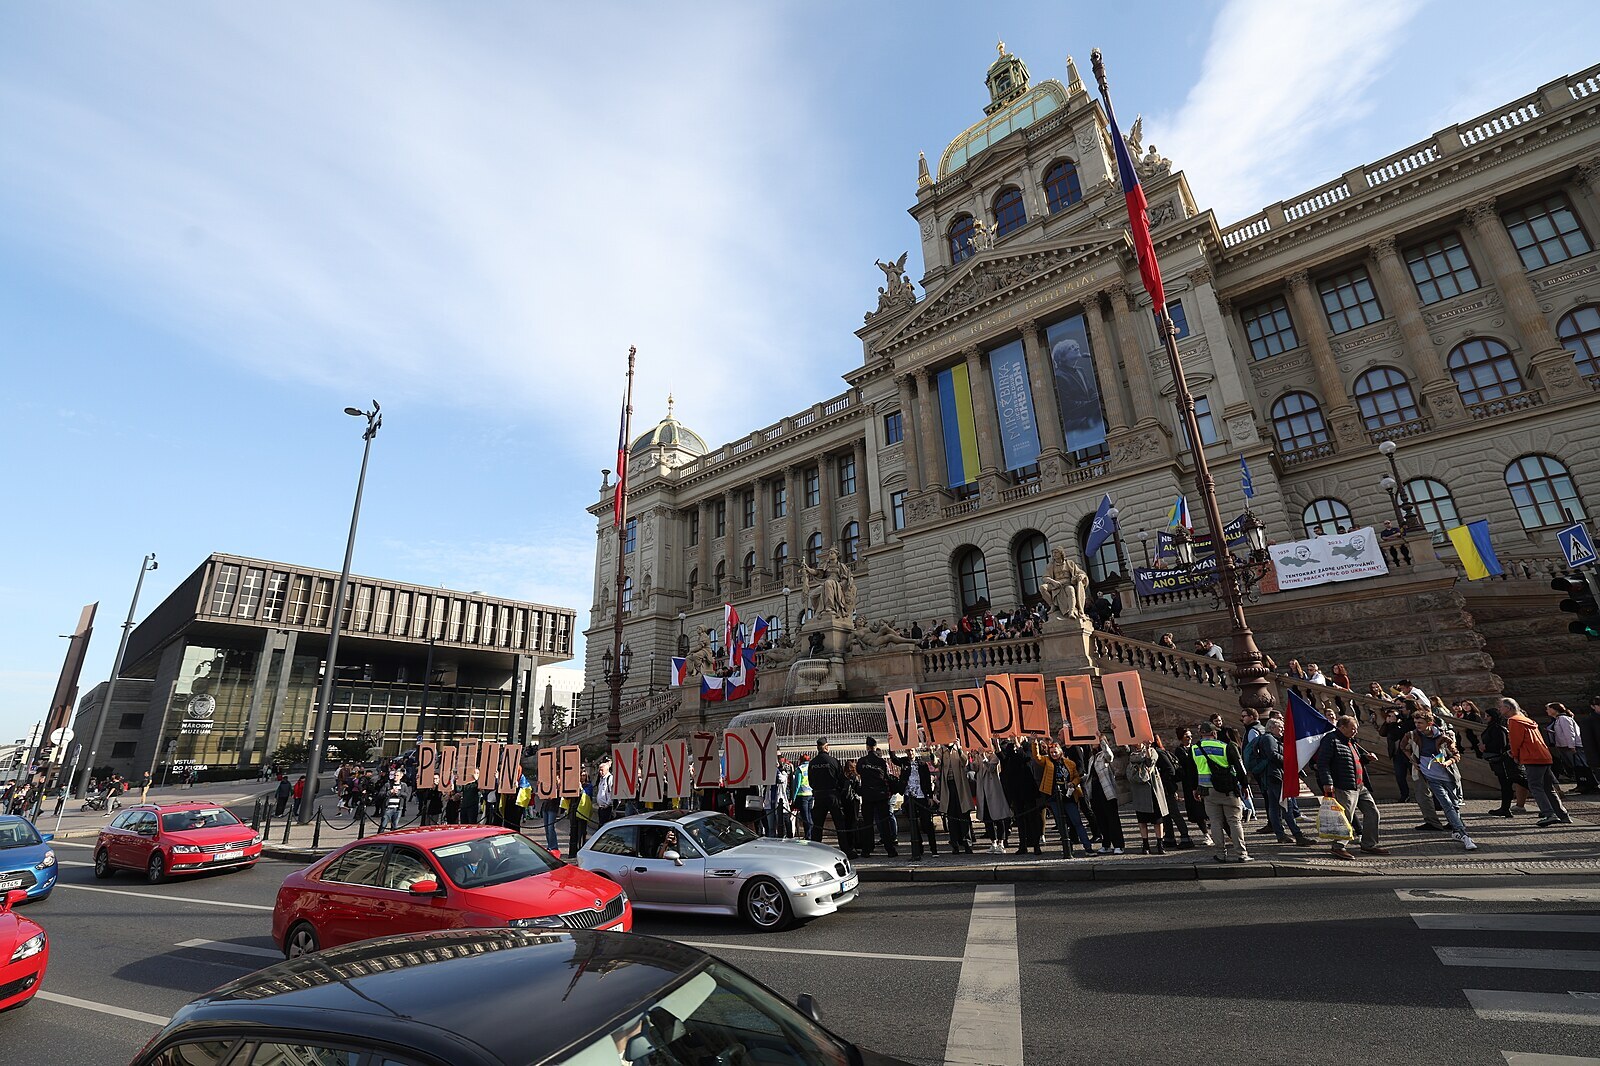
[[614, 714], [1249, 669]]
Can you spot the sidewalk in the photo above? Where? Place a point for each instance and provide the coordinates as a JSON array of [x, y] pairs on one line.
[[237, 796]]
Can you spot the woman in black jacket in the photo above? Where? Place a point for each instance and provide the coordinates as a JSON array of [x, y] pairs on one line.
[[1022, 794], [1495, 747]]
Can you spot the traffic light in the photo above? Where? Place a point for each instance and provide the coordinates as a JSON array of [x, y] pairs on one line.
[[1581, 602]]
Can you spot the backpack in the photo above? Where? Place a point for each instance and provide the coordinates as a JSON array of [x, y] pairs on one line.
[[1222, 778]]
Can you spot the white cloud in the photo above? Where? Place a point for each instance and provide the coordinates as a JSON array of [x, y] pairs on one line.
[[1278, 80]]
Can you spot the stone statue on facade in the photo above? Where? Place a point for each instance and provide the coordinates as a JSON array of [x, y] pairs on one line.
[[701, 660], [834, 594], [1153, 164], [1065, 587], [898, 292], [1135, 137], [882, 634], [982, 237]]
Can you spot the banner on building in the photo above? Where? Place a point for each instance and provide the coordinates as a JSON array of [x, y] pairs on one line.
[[960, 428], [1013, 403], [1153, 582], [1083, 420], [1233, 533], [1336, 557]]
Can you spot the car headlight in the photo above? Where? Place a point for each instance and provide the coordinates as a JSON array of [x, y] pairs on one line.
[[28, 948], [185, 849], [48, 861], [256, 839], [815, 877], [549, 921]]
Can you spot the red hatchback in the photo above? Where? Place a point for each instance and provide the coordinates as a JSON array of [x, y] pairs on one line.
[[174, 838], [443, 877]]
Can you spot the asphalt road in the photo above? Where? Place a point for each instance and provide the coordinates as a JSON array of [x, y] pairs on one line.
[[1266, 971]]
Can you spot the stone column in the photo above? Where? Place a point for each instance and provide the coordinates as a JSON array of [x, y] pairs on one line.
[[1042, 382], [933, 471], [730, 543], [1340, 412], [1547, 357], [708, 518], [827, 488], [797, 547], [910, 426], [1133, 357], [863, 499], [1105, 368], [1231, 398], [1394, 280], [763, 507]]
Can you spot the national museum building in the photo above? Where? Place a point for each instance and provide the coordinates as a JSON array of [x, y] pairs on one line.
[[1445, 298], [229, 667]]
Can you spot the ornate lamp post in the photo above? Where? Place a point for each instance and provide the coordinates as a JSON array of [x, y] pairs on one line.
[[1404, 511], [683, 638], [786, 633]]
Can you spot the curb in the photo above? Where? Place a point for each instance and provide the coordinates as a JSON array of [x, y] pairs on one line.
[[1125, 873]]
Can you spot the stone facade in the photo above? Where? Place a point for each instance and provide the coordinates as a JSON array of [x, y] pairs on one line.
[[1351, 268]]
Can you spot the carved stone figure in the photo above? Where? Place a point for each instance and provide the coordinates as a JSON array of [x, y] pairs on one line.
[[1153, 164], [701, 660], [1065, 588], [883, 634], [982, 236], [1135, 137], [834, 594], [899, 291]]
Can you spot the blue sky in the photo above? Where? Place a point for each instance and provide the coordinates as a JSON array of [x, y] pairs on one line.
[[220, 224]]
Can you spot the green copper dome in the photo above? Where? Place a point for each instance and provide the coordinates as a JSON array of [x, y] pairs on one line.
[[669, 433]]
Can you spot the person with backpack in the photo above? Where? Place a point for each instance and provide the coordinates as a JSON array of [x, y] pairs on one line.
[[1220, 771], [1263, 760], [1175, 827]]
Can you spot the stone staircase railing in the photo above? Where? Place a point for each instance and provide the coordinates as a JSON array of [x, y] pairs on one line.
[[1112, 652], [983, 657]]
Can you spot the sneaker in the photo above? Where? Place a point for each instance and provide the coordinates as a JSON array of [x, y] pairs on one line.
[[1455, 835], [1105, 851], [1241, 858], [1467, 844], [1545, 823], [1116, 851]]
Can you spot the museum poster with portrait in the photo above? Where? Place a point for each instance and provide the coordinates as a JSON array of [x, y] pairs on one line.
[[1013, 402], [1083, 421]]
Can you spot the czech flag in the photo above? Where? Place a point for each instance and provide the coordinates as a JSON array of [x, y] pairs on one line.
[[1471, 543], [759, 633], [1303, 730], [711, 689], [1179, 514], [730, 626], [680, 671], [740, 683], [1138, 217], [620, 494]]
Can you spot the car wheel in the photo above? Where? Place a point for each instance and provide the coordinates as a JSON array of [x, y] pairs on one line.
[[156, 871], [302, 940], [766, 905], [102, 865]]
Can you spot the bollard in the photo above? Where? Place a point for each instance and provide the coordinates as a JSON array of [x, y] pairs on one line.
[[255, 816], [287, 822], [316, 831], [361, 821], [267, 831]]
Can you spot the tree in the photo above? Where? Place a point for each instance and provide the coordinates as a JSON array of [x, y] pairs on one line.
[[359, 748], [292, 753]]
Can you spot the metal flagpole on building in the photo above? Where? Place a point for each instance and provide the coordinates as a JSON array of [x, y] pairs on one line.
[[146, 564], [614, 717]]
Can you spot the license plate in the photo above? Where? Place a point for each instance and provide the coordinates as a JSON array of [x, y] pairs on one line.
[[224, 856], [849, 886], [7, 886]]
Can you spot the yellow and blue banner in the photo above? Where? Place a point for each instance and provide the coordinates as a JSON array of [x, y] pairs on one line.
[[1178, 515], [960, 428], [1472, 545]]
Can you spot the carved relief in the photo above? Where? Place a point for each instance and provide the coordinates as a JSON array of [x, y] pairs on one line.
[[1162, 213], [1367, 338], [1199, 276], [1482, 211], [1242, 430], [1282, 366], [1136, 448], [1086, 139], [988, 279], [1564, 277], [927, 229], [1484, 300]]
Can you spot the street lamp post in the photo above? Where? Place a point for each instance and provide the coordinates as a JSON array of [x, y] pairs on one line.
[[1404, 511], [614, 718], [147, 564], [319, 736], [1144, 542], [786, 633], [683, 638]]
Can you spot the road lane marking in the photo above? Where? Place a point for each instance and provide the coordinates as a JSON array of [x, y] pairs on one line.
[[68, 844], [231, 948], [1501, 895], [717, 945], [105, 1008], [72, 862], [1520, 958], [1511, 922], [986, 1019], [1529, 1058], [174, 899], [1560, 1008]]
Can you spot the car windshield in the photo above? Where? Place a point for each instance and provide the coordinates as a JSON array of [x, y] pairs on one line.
[[18, 835], [493, 860], [718, 833], [179, 821], [717, 1015]]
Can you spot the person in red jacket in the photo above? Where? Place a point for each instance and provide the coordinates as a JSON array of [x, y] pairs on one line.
[[1533, 755]]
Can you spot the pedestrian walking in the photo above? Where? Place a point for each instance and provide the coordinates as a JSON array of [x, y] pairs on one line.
[[1342, 774], [1219, 769], [282, 794], [1566, 744], [1533, 755], [393, 797], [1432, 750], [144, 787], [299, 795]]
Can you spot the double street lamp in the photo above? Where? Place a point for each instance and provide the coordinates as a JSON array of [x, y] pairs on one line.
[[1243, 575], [1405, 512]]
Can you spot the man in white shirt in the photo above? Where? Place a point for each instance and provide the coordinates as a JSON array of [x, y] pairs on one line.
[[604, 794], [1315, 675], [1406, 688]]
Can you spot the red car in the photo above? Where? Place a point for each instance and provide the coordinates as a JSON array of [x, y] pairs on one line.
[[174, 838], [443, 877], [24, 952]]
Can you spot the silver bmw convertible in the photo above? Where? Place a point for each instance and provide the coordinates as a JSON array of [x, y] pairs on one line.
[[701, 862]]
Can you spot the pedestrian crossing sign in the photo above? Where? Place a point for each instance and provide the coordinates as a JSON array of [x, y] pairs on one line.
[[1577, 545]]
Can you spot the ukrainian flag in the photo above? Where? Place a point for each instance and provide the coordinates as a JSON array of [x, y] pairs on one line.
[[1472, 545], [1179, 514], [960, 429]]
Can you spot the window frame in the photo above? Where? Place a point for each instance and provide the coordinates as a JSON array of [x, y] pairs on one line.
[[1179, 317], [1431, 504], [1530, 245], [1312, 435], [962, 229], [1349, 300], [1381, 407], [811, 479], [1558, 503], [1570, 329], [979, 575], [780, 498], [630, 536], [1333, 518], [893, 428], [1062, 172], [1269, 343], [814, 549], [1478, 390], [897, 510], [1008, 200], [747, 505], [845, 472], [850, 542], [1031, 568], [1431, 268]]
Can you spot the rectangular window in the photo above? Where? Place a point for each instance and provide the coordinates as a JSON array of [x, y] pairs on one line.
[[402, 613], [250, 592], [489, 624], [322, 601], [630, 536], [897, 510], [1546, 232], [721, 511], [780, 498], [277, 588], [471, 634], [380, 621], [1269, 328], [748, 506], [694, 526], [437, 625], [299, 599], [455, 620], [132, 721], [124, 749], [1208, 425], [847, 476], [226, 588], [519, 638], [893, 430], [1348, 300], [1180, 321], [813, 486], [1440, 269], [363, 612]]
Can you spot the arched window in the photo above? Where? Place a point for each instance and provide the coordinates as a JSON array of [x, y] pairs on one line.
[[749, 568], [722, 576], [960, 234], [1543, 492], [1384, 396], [973, 576], [1009, 211], [627, 595], [1325, 516], [1434, 504], [780, 560], [1579, 331], [1061, 187], [1484, 370], [694, 580], [1297, 422], [1032, 553], [850, 542], [813, 549], [1105, 564], [715, 633]]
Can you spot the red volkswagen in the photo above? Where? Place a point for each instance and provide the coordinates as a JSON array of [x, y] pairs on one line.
[[444, 877], [164, 839]]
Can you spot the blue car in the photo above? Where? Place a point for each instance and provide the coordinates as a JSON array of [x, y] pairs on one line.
[[26, 859]]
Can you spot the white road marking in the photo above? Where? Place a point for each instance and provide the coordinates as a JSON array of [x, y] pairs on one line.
[[986, 1020], [1511, 922], [231, 948], [72, 862], [1528, 1058], [1501, 895], [1520, 958], [1560, 1008], [104, 1008], [718, 945], [173, 899], [69, 844]]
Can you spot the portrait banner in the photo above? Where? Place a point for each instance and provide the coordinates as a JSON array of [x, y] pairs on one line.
[[652, 789], [1083, 420], [1013, 401], [900, 715], [707, 768], [1033, 713], [571, 766], [1130, 718], [1320, 560], [1000, 707], [625, 771], [972, 728], [427, 765], [938, 720], [549, 770], [675, 769], [1080, 723]]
